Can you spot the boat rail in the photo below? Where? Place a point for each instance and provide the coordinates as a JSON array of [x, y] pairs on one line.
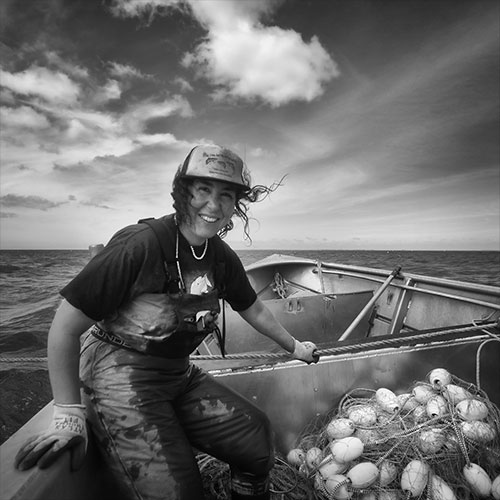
[[412, 286]]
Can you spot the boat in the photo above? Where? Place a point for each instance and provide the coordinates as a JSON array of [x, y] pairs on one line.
[[373, 328]]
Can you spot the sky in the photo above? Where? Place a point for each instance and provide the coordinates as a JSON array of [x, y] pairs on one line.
[[382, 114]]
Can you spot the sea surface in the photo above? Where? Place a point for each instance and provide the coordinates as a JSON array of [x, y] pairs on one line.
[[30, 281]]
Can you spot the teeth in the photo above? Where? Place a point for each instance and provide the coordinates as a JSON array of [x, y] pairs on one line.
[[206, 218]]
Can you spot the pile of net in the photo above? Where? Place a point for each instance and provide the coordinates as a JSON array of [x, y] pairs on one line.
[[438, 441]]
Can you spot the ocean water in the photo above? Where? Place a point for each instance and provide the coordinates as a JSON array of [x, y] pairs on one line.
[[30, 281]]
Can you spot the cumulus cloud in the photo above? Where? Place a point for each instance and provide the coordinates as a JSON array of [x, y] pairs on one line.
[[243, 58], [271, 63], [33, 202], [52, 86]]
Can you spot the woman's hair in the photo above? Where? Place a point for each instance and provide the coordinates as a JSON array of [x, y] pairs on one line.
[[182, 197]]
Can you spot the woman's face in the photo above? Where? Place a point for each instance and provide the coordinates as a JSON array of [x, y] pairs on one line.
[[210, 209]]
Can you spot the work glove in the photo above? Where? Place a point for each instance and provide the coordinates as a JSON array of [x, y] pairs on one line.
[[67, 431], [206, 320], [305, 351]]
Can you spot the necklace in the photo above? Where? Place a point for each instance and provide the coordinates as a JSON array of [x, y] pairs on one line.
[[202, 254]]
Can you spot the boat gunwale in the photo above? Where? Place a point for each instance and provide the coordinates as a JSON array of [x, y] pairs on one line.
[[282, 259]]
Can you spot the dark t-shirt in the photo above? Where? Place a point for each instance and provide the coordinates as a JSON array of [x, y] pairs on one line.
[[131, 264]]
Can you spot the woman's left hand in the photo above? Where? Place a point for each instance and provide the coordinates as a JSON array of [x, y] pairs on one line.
[[305, 351]]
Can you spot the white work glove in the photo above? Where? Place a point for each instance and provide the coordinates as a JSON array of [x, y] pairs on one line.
[[305, 351], [67, 431]]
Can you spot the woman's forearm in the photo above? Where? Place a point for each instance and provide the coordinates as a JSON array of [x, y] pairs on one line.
[[63, 352], [264, 321]]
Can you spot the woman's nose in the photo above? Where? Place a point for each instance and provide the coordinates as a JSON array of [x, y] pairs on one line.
[[213, 201]]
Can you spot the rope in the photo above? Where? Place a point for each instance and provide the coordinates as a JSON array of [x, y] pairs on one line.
[[348, 348], [340, 349], [23, 360]]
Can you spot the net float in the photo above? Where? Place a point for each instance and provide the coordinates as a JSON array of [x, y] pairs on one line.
[[363, 415], [436, 407], [387, 400], [313, 457], [296, 457], [319, 482], [420, 413], [440, 489], [414, 477], [407, 402], [336, 486], [431, 440], [422, 393], [478, 431], [454, 393], [339, 428], [472, 409], [331, 468], [363, 475], [387, 473], [346, 449], [495, 488], [439, 377], [478, 479]]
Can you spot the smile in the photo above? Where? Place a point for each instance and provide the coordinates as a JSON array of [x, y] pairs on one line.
[[209, 219]]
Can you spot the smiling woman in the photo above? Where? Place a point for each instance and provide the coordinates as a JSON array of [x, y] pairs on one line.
[[211, 166], [143, 305]]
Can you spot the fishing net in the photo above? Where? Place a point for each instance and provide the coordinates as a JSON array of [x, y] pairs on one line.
[[439, 440]]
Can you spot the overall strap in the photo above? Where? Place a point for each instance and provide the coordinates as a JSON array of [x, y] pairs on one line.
[[220, 284], [220, 266], [164, 237]]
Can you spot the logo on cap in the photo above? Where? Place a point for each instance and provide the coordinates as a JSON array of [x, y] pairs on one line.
[[218, 164]]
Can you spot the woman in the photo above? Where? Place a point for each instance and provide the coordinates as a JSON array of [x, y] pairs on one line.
[[146, 302]]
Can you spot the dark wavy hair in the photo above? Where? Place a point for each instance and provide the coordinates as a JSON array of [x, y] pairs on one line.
[[182, 197]]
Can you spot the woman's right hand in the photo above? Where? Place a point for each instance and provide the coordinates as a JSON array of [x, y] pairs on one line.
[[67, 431]]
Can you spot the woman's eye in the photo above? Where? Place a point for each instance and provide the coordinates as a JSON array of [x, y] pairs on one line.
[[228, 196]]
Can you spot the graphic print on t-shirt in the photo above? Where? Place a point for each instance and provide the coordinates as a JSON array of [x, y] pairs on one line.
[[201, 285]]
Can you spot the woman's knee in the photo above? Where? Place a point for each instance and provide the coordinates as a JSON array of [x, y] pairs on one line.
[[261, 444]]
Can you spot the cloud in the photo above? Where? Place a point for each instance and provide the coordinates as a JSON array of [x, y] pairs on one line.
[[125, 71], [33, 202], [183, 84], [95, 205], [69, 68], [275, 65], [22, 117], [241, 57], [53, 86], [143, 8], [110, 91], [147, 110]]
